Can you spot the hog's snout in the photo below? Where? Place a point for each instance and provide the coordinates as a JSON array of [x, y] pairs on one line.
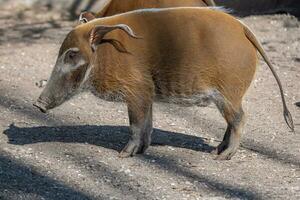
[[40, 105]]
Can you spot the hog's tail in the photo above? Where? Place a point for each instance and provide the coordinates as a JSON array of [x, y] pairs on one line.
[[252, 38]]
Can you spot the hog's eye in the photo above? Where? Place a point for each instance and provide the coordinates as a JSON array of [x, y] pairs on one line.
[[72, 56]]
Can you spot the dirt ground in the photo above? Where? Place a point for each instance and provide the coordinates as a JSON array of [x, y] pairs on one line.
[[72, 152]]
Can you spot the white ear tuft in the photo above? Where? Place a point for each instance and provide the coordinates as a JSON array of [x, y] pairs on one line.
[[82, 19], [127, 29]]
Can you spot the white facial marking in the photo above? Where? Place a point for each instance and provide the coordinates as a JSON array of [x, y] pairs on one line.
[[84, 82], [68, 67]]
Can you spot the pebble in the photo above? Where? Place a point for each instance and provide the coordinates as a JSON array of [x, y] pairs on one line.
[[41, 83]]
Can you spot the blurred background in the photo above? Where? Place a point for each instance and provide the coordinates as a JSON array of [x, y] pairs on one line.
[[71, 8]]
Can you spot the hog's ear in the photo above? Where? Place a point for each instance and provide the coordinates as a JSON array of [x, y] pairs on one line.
[[98, 33], [86, 17], [117, 44]]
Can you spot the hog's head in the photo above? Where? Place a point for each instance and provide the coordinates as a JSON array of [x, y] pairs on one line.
[[73, 64]]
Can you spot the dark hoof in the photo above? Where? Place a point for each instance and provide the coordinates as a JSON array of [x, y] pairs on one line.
[[219, 149], [227, 154], [132, 148], [224, 151]]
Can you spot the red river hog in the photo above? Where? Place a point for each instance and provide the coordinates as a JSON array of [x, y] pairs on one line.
[[154, 55]]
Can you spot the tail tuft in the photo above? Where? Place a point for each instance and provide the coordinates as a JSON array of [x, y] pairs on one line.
[[288, 119]]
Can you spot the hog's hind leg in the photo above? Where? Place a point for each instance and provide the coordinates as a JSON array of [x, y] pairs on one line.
[[234, 116]]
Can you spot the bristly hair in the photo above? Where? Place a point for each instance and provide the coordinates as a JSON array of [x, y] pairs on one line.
[[222, 9]]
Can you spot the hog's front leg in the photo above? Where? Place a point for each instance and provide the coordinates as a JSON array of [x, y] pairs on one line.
[[140, 131]]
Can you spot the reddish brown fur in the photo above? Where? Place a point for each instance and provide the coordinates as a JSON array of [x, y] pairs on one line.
[[222, 55]]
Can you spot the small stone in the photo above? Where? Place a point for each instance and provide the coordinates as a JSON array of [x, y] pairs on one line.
[[127, 171], [41, 83]]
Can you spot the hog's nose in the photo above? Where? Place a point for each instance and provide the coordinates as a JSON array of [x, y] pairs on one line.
[[40, 105]]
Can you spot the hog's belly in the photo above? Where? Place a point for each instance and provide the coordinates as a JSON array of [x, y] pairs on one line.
[[202, 99], [109, 96]]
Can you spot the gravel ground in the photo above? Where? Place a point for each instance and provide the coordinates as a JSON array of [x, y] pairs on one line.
[[72, 152]]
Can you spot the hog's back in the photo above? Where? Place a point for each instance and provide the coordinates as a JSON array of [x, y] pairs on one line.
[[122, 6]]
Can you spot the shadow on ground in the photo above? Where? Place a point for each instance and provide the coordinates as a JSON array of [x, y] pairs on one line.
[[22, 181], [116, 135], [225, 189], [112, 137], [18, 181]]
